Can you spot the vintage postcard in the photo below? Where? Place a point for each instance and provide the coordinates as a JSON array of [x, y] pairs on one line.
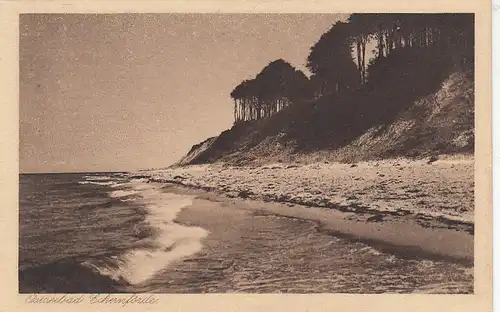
[[298, 156]]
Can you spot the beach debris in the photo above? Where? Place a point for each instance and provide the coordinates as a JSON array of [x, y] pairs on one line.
[[376, 218], [432, 159]]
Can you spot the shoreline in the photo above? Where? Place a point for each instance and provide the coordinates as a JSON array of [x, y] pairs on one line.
[[402, 237], [412, 208]]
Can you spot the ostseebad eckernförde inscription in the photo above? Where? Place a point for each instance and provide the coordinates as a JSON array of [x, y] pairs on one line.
[[336, 154], [103, 299]]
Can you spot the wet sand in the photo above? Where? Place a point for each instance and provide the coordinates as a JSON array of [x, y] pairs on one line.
[[402, 235]]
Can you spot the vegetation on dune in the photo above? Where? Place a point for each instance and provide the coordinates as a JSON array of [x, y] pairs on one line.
[[404, 43]]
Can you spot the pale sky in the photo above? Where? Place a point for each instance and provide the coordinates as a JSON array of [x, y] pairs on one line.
[[133, 91]]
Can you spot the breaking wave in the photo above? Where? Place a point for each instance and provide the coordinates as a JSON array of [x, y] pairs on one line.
[[168, 241]]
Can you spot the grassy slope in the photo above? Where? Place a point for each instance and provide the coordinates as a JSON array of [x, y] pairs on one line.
[[407, 122]]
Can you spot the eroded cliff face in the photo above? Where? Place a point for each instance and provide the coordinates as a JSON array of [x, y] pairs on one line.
[[196, 151]]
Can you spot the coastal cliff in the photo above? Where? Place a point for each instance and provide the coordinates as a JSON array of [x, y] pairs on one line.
[[438, 123]]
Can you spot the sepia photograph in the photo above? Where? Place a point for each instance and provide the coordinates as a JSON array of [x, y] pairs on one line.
[[197, 153]]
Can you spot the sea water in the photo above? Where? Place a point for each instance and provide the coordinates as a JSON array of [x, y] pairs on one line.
[[97, 232]]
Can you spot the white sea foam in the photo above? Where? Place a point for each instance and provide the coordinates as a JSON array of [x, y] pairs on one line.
[[141, 180], [96, 178], [97, 183], [121, 193], [173, 241]]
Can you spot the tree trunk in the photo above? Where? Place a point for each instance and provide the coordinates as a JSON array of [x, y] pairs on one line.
[[380, 40], [244, 110], [363, 60], [360, 68], [234, 114], [387, 36]]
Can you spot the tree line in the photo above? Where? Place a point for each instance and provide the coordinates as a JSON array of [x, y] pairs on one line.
[[274, 88], [339, 63]]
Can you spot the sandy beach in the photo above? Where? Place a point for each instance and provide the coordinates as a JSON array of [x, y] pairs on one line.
[[440, 193]]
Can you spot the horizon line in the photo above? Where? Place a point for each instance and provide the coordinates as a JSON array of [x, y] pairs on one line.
[[73, 172]]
